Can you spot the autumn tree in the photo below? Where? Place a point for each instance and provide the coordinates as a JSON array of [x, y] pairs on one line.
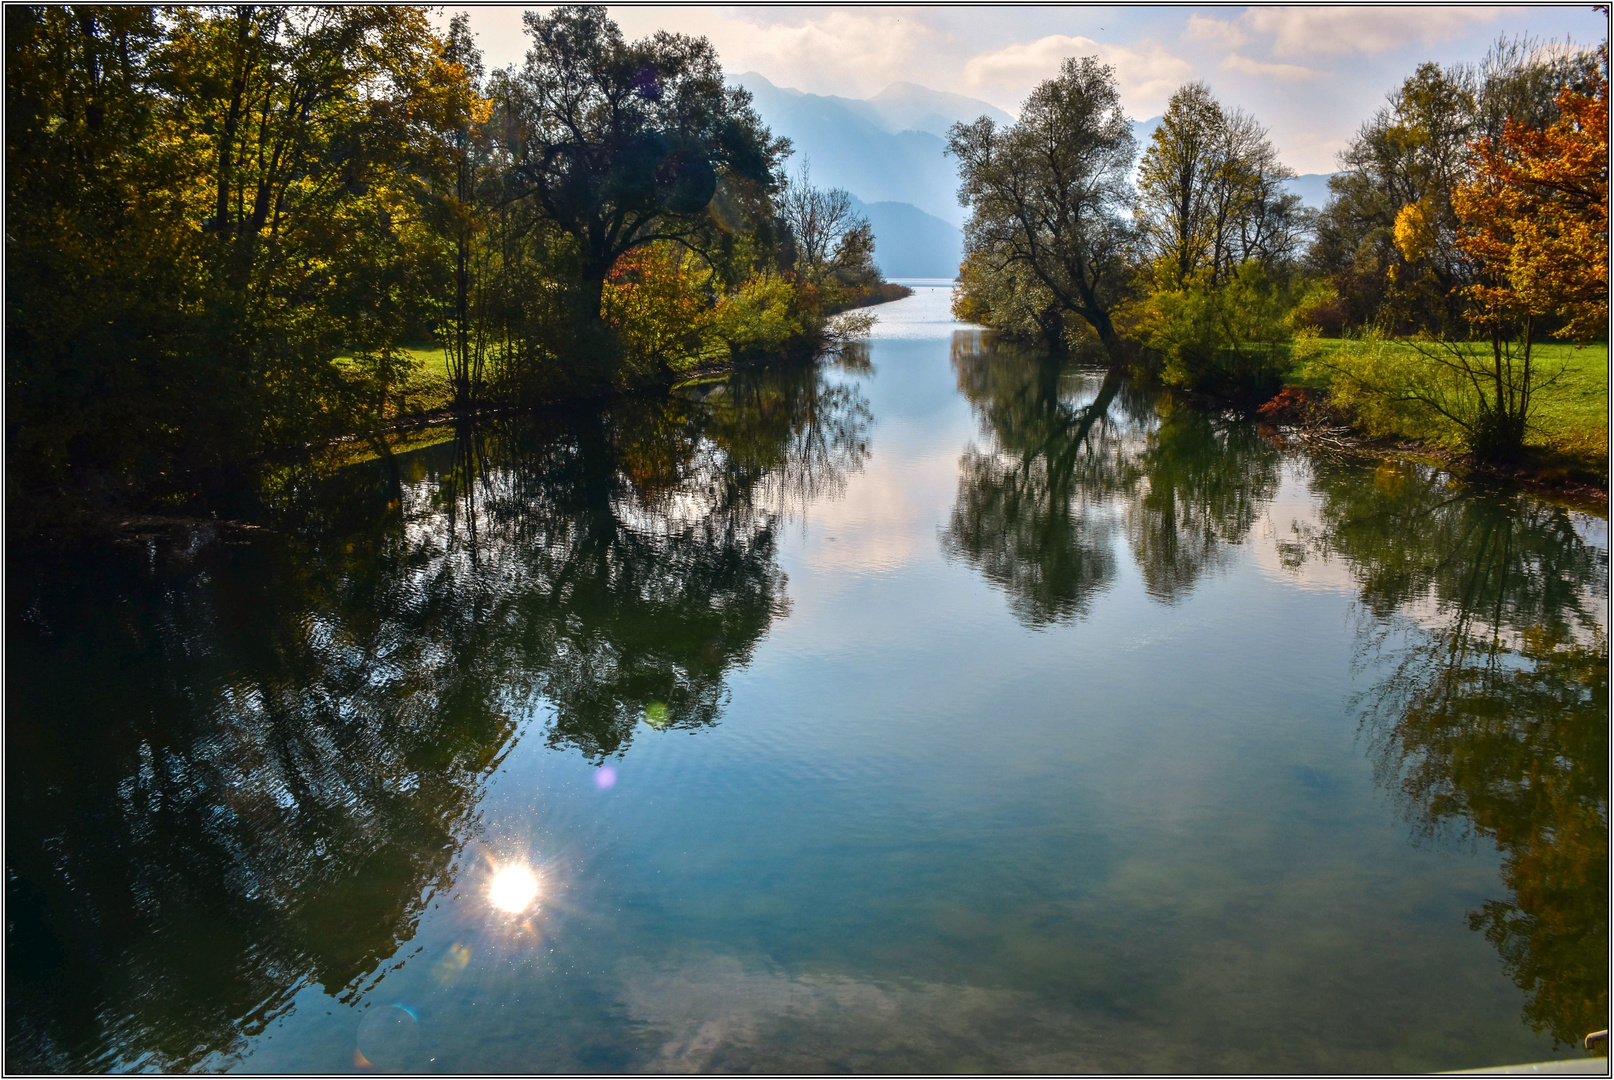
[[1535, 216], [1388, 236]]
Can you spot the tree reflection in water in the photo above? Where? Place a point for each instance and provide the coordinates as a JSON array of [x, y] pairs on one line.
[[239, 766], [1485, 610], [1492, 719], [1074, 455]]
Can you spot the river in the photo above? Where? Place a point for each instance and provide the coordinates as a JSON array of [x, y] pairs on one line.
[[935, 707]]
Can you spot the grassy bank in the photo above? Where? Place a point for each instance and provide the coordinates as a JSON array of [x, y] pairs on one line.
[[1569, 424]]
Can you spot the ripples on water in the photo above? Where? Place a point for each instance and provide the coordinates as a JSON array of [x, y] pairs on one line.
[[943, 707]]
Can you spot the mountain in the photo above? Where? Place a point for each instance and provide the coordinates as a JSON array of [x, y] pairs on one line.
[[905, 106], [887, 152], [871, 148], [909, 243], [1311, 187]]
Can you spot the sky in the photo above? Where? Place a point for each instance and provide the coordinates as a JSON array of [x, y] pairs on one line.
[[1312, 75]]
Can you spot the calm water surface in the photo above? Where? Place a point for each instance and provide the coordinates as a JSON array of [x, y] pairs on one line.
[[935, 708]]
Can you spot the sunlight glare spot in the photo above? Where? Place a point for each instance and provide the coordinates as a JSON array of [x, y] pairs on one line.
[[513, 889]]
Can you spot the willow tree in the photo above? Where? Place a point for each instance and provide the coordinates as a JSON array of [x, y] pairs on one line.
[[1048, 193]]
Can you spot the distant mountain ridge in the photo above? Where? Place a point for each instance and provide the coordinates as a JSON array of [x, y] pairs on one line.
[[888, 148], [888, 152], [1311, 187], [909, 243]]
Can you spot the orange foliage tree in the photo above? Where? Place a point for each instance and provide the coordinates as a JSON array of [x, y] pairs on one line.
[[1536, 216]]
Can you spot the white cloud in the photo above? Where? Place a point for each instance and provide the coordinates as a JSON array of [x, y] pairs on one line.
[[1147, 75], [1286, 72], [1304, 31], [1215, 32], [1308, 151], [847, 51]]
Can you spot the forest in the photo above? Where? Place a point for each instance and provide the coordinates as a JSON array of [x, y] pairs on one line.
[[230, 228], [1464, 241]]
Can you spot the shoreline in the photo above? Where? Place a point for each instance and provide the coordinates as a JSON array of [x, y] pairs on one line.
[[1310, 420], [132, 524]]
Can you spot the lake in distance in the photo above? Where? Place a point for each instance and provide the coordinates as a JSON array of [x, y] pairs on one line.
[[934, 707]]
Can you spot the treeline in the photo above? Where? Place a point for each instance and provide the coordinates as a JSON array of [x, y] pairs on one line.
[[1471, 217], [226, 227]]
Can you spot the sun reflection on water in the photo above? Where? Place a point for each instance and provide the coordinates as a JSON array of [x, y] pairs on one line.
[[513, 888]]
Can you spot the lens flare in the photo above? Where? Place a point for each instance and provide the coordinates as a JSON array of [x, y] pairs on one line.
[[513, 889]]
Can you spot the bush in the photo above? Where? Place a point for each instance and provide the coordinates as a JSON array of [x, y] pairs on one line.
[[1475, 396], [761, 316], [1236, 341]]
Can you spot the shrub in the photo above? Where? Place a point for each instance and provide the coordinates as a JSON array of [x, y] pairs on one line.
[[1235, 341], [761, 316], [1468, 396]]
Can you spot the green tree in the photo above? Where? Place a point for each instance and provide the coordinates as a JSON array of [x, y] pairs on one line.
[[623, 144], [1047, 193], [210, 207]]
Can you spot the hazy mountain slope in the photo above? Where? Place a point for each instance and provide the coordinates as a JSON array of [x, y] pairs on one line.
[[909, 243], [1311, 187], [905, 106], [850, 145]]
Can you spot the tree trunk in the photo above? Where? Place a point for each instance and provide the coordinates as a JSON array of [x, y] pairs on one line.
[[1112, 342], [232, 118]]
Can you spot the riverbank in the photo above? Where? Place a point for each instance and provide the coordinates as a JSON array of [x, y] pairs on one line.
[[425, 416], [1309, 417]]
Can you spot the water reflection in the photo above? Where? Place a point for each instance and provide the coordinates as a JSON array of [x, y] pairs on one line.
[[1484, 615], [1483, 633], [1075, 456], [241, 765]]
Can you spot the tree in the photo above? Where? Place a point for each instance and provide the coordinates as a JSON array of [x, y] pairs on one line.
[[1010, 299], [1210, 193], [1388, 234], [625, 144], [207, 207], [470, 154], [1174, 178], [819, 221], [1047, 192], [1535, 216]]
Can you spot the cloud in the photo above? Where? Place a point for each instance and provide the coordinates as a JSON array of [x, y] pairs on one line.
[[1286, 72], [1147, 74], [1215, 32], [850, 52], [710, 1012], [1305, 31]]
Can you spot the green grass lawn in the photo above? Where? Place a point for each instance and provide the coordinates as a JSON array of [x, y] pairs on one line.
[[428, 387], [1570, 419], [433, 356]]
